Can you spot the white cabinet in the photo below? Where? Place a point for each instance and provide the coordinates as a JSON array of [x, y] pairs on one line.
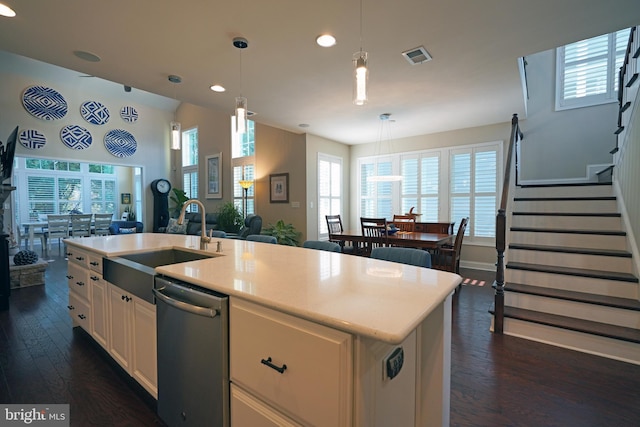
[[79, 289], [99, 309], [132, 336], [246, 410], [299, 369]]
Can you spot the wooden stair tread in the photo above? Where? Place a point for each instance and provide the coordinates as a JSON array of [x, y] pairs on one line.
[[571, 250], [570, 323], [582, 272], [568, 231], [582, 214], [604, 300], [564, 199]]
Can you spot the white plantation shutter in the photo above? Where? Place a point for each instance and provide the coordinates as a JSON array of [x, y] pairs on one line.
[[329, 191], [420, 185], [460, 186], [587, 70], [190, 166], [485, 193]]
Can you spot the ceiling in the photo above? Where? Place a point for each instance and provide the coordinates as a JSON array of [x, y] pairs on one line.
[[288, 80]]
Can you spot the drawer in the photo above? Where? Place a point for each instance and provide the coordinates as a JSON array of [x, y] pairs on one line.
[[246, 410], [77, 256], [95, 262], [79, 312], [78, 279], [315, 387]]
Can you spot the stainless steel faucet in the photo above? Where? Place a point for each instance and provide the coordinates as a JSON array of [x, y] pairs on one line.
[[204, 239]]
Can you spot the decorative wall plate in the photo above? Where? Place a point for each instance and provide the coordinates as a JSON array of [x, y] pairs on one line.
[[44, 103], [94, 112], [76, 137], [120, 143], [129, 114], [32, 139]]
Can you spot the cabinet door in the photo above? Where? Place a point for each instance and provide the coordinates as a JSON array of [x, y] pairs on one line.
[[144, 357], [246, 410], [78, 279], [119, 326], [99, 315]]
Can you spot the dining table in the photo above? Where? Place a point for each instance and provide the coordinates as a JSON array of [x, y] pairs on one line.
[[407, 239]]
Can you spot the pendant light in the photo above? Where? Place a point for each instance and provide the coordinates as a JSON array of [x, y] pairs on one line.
[[385, 118], [241, 102], [361, 72], [175, 125]]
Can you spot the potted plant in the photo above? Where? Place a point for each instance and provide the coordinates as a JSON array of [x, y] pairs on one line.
[[229, 218], [285, 233], [179, 198]]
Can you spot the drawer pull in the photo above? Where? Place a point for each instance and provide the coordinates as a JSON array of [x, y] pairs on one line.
[[82, 316], [95, 278], [69, 277], [94, 263], [271, 365], [70, 307], [80, 283]]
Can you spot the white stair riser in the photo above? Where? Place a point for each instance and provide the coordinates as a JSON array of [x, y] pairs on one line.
[[578, 310], [587, 343], [560, 259], [577, 191], [592, 241], [568, 222], [613, 288], [591, 206]]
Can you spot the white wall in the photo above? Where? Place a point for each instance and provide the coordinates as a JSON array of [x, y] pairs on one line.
[[560, 144], [151, 130]]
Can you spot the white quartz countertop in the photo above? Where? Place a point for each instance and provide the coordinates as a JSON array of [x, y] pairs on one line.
[[381, 300]]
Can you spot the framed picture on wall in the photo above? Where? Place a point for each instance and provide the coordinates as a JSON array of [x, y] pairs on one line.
[[125, 198], [214, 176], [279, 188]]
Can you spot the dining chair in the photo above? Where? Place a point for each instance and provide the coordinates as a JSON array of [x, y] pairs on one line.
[[334, 226], [447, 257], [262, 238], [81, 225], [20, 237], [322, 245], [57, 228], [374, 231], [409, 256], [405, 222], [102, 223]]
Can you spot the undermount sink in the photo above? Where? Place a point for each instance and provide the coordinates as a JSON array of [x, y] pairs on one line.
[[135, 273]]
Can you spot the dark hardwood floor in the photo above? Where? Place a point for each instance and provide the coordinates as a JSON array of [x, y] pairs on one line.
[[496, 380]]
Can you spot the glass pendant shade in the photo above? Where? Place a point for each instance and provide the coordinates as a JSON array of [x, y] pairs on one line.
[[241, 115], [361, 74], [175, 135]]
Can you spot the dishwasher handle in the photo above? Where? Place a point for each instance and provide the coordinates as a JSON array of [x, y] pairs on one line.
[[181, 305]]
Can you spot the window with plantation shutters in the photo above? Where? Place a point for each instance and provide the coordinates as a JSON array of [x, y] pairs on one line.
[[587, 70], [243, 149], [190, 166], [420, 185], [329, 191], [244, 172], [377, 198]]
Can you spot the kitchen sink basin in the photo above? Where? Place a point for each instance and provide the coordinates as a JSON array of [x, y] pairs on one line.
[[135, 273]]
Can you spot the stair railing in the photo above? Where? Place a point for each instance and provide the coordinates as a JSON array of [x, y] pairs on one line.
[[501, 225]]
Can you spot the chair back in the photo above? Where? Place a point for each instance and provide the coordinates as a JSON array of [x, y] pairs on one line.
[[57, 226], [81, 225], [374, 230], [102, 224], [457, 245], [252, 225], [409, 256], [447, 258], [322, 245], [262, 238], [334, 224], [218, 233], [405, 222]]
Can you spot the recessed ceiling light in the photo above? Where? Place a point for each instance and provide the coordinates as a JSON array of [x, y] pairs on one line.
[[6, 11], [87, 56], [217, 88], [326, 40]]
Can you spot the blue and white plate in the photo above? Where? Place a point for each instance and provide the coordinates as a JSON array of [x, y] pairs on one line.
[[129, 114], [44, 103], [120, 143], [32, 139], [94, 112], [76, 137]]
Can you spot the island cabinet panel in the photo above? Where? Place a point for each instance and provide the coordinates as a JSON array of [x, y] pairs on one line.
[[79, 289], [78, 279], [298, 368], [132, 336], [246, 410], [99, 313], [79, 311]]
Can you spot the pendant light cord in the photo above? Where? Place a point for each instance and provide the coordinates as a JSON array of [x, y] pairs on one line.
[[360, 25]]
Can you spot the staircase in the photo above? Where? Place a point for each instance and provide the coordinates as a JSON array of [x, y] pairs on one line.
[[569, 277]]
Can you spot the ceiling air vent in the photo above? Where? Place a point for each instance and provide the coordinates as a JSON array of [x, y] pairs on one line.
[[417, 55]]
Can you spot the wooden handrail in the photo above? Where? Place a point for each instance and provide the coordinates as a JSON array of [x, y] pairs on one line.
[[501, 227]]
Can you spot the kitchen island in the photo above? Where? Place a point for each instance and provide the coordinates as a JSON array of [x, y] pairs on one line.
[[361, 313]]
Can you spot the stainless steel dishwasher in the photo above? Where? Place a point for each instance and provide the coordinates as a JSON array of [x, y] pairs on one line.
[[193, 354]]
